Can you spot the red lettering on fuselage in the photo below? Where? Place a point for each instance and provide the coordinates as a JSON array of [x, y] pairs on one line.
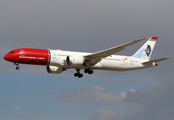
[[28, 56]]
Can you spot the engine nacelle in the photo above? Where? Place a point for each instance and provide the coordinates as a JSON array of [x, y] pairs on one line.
[[54, 69], [74, 60]]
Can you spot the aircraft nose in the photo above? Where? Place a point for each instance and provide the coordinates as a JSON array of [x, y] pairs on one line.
[[6, 57]]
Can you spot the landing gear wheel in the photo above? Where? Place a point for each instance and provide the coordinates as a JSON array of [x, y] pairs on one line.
[[17, 68], [76, 74], [86, 70], [90, 72], [80, 75]]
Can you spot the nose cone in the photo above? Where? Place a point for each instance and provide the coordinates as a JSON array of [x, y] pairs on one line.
[[6, 57]]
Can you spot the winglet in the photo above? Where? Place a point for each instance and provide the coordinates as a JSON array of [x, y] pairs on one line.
[[154, 38]]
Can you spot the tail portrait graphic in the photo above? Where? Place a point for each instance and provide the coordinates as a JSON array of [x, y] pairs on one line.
[[146, 50], [147, 53]]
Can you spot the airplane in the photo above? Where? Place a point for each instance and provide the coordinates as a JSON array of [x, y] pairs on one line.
[[57, 61]]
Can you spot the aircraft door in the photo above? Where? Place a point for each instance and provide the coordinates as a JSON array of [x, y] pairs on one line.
[[53, 55], [130, 61], [53, 58], [124, 62]]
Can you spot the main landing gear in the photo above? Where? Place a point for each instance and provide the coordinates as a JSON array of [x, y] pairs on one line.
[[88, 71], [79, 75], [17, 67]]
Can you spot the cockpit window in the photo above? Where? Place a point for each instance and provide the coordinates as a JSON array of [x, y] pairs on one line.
[[11, 52]]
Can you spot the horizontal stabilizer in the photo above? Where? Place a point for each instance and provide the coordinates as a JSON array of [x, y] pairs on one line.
[[157, 60]]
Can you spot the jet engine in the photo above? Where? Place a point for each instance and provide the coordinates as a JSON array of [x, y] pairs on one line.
[[74, 60], [54, 69]]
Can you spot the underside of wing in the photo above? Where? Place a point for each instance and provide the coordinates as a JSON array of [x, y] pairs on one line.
[[92, 59]]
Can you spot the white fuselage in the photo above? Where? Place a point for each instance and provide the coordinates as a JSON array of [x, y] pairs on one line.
[[113, 63]]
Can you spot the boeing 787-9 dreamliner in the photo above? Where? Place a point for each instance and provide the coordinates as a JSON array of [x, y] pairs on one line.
[[57, 61]]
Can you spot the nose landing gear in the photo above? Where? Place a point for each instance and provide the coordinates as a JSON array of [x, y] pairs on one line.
[[17, 67]]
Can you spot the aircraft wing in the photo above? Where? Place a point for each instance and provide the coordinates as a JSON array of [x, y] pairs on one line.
[[157, 60], [92, 59]]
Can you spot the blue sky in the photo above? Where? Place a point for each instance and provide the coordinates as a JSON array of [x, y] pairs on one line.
[[88, 26], [35, 96]]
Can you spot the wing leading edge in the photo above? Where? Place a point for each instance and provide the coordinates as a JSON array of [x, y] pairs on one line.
[[92, 59]]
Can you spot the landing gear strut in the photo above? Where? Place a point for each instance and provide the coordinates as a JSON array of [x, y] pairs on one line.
[[78, 74], [89, 71], [17, 67]]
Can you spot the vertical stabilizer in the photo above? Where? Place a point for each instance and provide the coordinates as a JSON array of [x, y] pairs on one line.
[[146, 50]]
